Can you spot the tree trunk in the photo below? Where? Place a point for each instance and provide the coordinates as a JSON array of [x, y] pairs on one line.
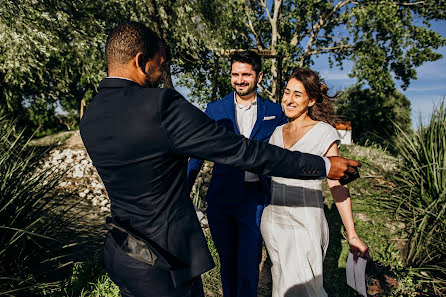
[[214, 79], [167, 76], [274, 40]]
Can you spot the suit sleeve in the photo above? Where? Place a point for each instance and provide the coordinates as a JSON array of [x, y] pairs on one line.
[[191, 133]]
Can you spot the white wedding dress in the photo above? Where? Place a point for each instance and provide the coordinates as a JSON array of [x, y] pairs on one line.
[[294, 227]]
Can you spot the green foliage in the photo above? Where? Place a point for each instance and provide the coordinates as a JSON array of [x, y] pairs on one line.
[[205, 29], [43, 62], [88, 279], [52, 52], [419, 197], [212, 278], [29, 209], [373, 115], [52, 56], [385, 39]]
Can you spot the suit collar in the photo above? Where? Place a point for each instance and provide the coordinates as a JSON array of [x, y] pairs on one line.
[[117, 83], [261, 111], [229, 107]]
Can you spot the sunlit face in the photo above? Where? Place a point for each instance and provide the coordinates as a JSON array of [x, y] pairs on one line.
[[295, 101], [154, 68], [244, 79]]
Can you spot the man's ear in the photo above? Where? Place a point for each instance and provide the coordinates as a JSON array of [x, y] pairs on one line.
[[141, 62], [259, 76]]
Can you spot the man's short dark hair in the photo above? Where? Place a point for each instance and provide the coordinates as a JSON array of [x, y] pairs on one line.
[[248, 57], [128, 39]]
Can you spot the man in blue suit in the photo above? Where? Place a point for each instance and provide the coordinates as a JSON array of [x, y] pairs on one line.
[[236, 198]]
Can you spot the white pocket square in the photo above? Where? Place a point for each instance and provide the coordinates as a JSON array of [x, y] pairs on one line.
[[269, 118]]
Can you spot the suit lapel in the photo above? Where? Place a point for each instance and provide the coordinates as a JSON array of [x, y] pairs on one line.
[[229, 107], [260, 114]]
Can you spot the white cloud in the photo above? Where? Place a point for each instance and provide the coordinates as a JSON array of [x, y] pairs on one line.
[[426, 87]]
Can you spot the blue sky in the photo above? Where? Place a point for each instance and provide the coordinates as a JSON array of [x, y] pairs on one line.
[[424, 93]]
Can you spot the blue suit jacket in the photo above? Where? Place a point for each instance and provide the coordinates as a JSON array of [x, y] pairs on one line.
[[226, 186]]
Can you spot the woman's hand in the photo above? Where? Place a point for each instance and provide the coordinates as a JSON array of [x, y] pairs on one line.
[[358, 248]]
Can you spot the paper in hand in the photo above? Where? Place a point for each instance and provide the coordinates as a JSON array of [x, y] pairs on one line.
[[355, 273]]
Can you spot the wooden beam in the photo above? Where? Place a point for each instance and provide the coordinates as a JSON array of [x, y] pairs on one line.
[[262, 53]]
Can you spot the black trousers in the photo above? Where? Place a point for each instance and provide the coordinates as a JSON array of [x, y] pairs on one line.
[[138, 279]]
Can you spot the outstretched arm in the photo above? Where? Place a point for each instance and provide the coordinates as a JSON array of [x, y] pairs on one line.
[[191, 133], [342, 200]]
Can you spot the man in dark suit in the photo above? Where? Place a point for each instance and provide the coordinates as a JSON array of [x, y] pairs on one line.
[[236, 198], [139, 139]]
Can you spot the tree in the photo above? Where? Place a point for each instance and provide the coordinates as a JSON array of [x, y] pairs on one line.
[[208, 28], [373, 115], [52, 52], [50, 57], [385, 39]]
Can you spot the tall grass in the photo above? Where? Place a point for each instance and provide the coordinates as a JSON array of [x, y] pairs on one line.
[[419, 197], [29, 210]]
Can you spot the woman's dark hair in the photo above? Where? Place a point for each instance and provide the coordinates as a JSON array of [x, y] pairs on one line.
[[322, 110]]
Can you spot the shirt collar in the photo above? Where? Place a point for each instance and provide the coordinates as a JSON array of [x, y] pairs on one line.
[[120, 78], [253, 103]]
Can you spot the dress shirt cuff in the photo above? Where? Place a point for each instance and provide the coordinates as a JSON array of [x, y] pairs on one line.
[[327, 166]]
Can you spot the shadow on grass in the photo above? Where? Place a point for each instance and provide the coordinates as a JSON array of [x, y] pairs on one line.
[[335, 283]]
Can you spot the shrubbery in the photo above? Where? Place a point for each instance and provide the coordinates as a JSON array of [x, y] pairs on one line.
[[419, 198], [373, 114], [29, 210]]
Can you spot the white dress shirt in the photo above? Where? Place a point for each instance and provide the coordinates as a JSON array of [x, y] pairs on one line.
[[246, 117]]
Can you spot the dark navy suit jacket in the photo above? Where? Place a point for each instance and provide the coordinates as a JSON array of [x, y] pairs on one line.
[[226, 186]]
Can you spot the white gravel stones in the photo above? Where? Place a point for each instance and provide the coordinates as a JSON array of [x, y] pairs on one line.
[[78, 174]]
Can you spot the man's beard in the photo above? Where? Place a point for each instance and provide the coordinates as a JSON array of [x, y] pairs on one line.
[[247, 92], [153, 81]]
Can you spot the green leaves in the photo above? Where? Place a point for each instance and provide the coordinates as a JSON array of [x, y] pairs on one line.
[[373, 115], [29, 209], [52, 52], [419, 198], [389, 43]]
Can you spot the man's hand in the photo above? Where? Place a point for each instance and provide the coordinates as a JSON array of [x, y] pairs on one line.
[[342, 168]]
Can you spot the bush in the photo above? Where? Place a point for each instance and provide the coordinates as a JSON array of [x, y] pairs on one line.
[[29, 210], [372, 113], [419, 198]]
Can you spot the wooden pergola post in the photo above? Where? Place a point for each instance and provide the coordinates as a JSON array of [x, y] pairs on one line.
[[279, 79], [214, 79], [83, 105]]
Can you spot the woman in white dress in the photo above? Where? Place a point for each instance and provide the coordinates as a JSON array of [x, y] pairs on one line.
[[294, 226]]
